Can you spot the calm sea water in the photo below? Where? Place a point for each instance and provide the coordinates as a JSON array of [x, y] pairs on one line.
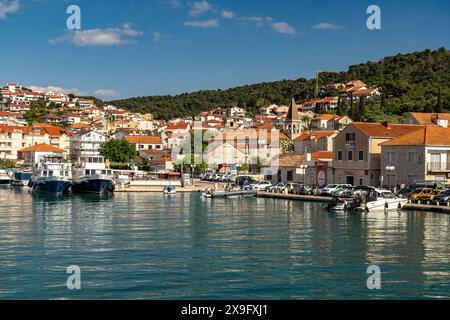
[[147, 246]]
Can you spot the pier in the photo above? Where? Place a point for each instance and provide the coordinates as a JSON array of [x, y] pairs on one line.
[[409, 206]]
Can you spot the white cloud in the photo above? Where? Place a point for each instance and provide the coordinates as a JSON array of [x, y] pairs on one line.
[[258, 21], [106, 93], [213, 23], [57, 89], [99, 37], [283, 27], [200, 7], [227, 14], [326, 26], [156, 36], [174, 3], [8, 7]]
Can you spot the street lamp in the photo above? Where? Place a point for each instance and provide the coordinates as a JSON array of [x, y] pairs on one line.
[[390, 169]]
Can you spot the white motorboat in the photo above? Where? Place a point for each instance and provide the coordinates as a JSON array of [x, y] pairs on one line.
[[382, 200], [5, 178], [169, 190]]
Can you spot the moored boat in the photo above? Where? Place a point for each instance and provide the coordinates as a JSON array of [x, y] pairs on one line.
[[208, 193], [169, 190], [21, 178], [5, 178], [92, 176], [52, 174]]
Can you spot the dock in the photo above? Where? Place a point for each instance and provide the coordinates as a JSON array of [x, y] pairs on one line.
[[293, 197], [408, 207]]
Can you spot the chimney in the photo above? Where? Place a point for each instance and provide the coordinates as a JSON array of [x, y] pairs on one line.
[[387, 124], [442, 122]]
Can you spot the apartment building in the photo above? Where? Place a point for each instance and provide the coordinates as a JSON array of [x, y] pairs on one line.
[[145, 142], [15, 138], [86, 142], [357, 151], [421, 155]]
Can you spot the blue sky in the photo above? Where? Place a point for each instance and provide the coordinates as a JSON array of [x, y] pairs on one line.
[[148, 47]]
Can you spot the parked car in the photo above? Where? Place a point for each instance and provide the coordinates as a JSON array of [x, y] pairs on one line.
[[243, 180], [442, 198], [342, 189], [276, 188], [426, 194], [329, 189], [207, 177], [290, 187], [262, 185]]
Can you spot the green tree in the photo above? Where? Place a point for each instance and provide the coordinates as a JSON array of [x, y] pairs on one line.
[[118, 151], [361, 111], [439, 102]]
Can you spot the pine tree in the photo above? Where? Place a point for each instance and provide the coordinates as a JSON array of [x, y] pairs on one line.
[[383, 102], [339, 107], [438, 108], [352, 112], [361, 112]]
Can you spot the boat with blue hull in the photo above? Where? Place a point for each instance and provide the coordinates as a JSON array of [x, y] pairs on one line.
[[52, 174], [92, 176]]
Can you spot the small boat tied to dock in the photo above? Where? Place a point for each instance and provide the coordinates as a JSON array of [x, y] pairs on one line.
[[169, 190], [211, 194], [368, 199]]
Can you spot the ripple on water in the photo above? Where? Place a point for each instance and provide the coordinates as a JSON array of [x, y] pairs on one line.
[[146, 246]]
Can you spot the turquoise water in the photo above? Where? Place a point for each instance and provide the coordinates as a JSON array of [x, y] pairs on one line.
[[147, 246]]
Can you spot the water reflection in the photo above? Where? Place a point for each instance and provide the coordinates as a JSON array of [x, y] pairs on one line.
[[149, 246]]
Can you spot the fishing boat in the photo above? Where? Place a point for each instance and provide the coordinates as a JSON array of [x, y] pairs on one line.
[[5, 178], [21, 178], [52, 174], [169, 190], [92, 176]]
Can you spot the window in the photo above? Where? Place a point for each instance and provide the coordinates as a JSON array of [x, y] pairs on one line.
[[361, 155], [391, 157], [350, 155], [412, 157], [340, 157], [349, 137], [350, 180], [290, 175]]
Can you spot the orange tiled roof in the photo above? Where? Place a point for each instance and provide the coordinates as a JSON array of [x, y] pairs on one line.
[[326, 117], [426, 118], [424, 136], [378, 130], [315, 135], [322, 155], [143, 139], [291, 160], [43, 148]]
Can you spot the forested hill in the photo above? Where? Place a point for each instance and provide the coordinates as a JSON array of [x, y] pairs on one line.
[[418, 81]]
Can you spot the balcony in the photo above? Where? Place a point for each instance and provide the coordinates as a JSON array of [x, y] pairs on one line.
[[438, 167]]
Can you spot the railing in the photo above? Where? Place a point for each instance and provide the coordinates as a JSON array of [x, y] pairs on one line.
[[438, 167]]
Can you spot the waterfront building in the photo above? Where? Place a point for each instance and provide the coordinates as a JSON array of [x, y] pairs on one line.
[[310, 142], [33, 154], [145, 142], [86, 142], [15, 138], [421, 155], [357, 151]]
